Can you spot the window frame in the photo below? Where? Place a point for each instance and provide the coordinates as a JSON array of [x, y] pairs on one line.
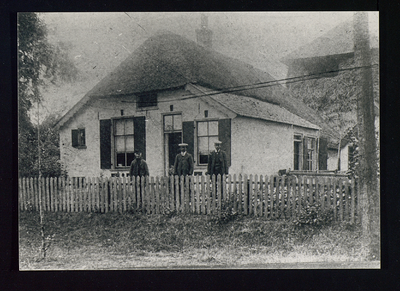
[[81, 143], [173, 128], [113, 142], [208, 136], [311, 161], [300, 154], [300, 138]]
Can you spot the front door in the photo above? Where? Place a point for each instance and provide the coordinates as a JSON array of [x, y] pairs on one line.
[[172, 139]]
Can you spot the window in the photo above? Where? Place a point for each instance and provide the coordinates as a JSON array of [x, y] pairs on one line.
[[78, 138], [123, 141], [207, 134], [310, 153], [172, 123], [147, 100], [305, 157], [297, 152]]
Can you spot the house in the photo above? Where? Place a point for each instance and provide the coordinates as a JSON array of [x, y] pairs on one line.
[[329, 61], [347, 145], [172, 90]]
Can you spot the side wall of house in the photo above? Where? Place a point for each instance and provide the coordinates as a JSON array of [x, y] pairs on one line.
[[82, 162], [263, 147]]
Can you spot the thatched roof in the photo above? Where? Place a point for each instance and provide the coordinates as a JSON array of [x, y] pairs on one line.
[[254, 108], [167, 60]]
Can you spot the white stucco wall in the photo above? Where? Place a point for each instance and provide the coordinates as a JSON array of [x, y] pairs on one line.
[[86, 162], [257, 146], [263, 147]]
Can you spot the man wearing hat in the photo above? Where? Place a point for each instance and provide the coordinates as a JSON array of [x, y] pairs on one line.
[[138, 166], [217, 163], [183, 165]]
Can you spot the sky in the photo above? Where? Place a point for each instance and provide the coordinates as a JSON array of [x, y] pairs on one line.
[[101, 41]]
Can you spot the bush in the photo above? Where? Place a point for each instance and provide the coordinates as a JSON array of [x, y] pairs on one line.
[[314, 215], [227, 213]]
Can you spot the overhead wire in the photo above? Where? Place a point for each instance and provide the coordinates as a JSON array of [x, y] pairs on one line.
[[239, 88]]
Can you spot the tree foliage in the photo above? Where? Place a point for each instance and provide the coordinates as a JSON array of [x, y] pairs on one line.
[[39, 64], [334, 96]]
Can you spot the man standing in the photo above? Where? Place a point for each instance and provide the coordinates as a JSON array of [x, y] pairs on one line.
[[217, 163], [183, 165], [139, 169], [138, 166]]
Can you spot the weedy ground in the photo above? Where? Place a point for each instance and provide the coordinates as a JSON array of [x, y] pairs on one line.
[[93, 241]]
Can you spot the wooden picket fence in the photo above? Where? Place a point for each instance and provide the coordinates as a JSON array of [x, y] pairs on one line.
[[270, 196]]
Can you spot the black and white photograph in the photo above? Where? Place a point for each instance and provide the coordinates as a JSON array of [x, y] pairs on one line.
[[198, 140]]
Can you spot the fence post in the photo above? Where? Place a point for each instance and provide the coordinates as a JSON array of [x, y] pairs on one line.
[[213, 193], [258, 195], [246, 194], [342, 184], [192, 193], [250, 195], [196, 193], [219, 194], [353, 194], [234, 194], [335, 199], [347, 201]]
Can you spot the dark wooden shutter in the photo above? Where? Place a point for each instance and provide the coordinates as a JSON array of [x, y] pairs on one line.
[[323, 154], [224, 135], [74, 134], [188, 136], [140, 134], [105, 144], [305, 163]]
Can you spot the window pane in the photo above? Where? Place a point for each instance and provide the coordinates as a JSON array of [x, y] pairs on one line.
[[121, 159], [129, 143], [119, 127], [203, 159], [202, 128], [211, 142], [213, 128], [203, 145], [130, 157], [168, 122], [120, 143], [128, 126], [177, 122]]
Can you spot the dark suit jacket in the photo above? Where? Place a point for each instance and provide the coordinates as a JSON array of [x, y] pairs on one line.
[[138, 169], [183, 164], [211, 163]]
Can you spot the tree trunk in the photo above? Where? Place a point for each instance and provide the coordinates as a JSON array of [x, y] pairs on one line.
[[367, 144]]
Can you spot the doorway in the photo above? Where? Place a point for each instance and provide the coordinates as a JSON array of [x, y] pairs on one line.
[[172, 138], [172, 141]]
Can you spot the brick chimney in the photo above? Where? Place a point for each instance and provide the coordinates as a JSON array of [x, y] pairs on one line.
[[204, 35]]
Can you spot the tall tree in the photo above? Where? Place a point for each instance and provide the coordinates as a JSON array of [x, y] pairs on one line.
[[367, 144], [39, 63]]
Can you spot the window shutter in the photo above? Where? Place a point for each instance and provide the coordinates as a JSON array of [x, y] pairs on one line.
[[188, 136], [75, 133], [224, 135], [140, 134], [105, 144], [305, 163], [323, 154]]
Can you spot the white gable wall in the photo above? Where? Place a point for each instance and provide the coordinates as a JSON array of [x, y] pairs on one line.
[[86, 162]]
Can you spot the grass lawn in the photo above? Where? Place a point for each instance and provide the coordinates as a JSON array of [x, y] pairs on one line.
[[95, 241]]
